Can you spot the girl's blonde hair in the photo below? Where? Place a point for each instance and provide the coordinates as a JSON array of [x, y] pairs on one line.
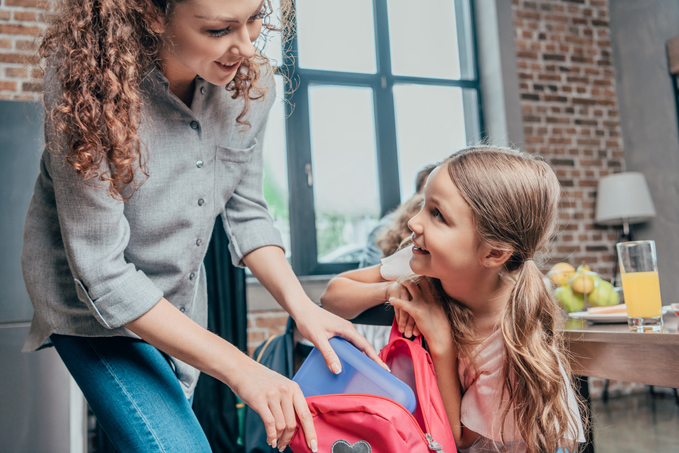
[[514, 198], [391, 237], [101, 50]]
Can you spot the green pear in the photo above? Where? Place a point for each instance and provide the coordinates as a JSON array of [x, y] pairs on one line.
[[569, 300], [603, 294]]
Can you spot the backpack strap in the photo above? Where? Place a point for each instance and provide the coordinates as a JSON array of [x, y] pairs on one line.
[[396, 334]]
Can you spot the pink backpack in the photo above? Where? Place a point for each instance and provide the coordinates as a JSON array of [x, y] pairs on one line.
[[358, 423]]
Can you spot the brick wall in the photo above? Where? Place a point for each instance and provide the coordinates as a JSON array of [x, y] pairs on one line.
[[570, 114], [21, 23], [264, 324]]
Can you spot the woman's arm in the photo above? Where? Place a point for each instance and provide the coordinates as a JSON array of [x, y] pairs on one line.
[[275, 398]]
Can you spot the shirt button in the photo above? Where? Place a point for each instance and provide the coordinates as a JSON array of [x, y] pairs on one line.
[[192, 275], [202, 90], [201, 202], [199, 164], [199, 241], [194, 125], [182, 309]]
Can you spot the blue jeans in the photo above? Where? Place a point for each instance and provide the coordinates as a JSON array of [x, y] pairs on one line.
[[134, 393]]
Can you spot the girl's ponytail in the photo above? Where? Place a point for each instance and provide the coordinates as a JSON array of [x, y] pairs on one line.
[[537, 368]]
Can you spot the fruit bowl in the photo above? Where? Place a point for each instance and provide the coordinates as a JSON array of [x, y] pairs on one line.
[[578, 290]]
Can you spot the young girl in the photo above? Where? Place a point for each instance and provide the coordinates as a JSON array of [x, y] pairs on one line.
[[490, 324], [155, 118]]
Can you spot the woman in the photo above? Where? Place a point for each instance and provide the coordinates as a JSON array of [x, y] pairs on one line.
[[144, 148]]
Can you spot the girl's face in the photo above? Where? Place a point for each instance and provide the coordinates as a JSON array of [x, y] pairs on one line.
[[209, 38], [444, 235]]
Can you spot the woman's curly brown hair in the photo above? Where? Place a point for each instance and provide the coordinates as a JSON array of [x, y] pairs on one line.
[[102, 49]]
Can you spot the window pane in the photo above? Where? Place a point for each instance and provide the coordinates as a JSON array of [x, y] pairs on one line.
[[430, 125], [270, 41], [276, 166], [336, 36], [344, 170], [423, 39]]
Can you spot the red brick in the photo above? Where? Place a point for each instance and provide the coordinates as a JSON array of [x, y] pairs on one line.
[[17, 29], [31, 86], [18, 58], [43, 4], [23, 44], [8, 86], [21, 72], [5, 44], [24, 16], [271, 321]]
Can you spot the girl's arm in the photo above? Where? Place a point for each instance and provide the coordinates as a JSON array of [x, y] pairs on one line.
[[351, 293], [432, 321]]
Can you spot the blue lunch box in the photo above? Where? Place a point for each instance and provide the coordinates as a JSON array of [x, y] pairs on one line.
[[359, 374]]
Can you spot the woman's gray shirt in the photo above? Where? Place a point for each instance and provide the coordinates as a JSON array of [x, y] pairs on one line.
[[93, 263]]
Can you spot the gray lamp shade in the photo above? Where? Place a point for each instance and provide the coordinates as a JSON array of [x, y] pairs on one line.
[[623, 197]]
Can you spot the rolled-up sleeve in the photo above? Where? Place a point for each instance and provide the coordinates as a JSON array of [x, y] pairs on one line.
[[246, 218], [95, 234]]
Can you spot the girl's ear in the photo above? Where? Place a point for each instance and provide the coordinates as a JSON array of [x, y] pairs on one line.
[[496, 257]]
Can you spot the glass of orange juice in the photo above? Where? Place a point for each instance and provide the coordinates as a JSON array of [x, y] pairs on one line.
[[640, 285]]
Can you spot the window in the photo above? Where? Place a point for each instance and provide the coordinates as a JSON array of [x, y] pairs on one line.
[[375, 91]]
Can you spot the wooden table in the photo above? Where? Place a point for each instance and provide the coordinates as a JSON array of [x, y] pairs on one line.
[[611, 351]]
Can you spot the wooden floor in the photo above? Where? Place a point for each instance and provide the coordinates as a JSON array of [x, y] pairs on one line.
[[638, 423]]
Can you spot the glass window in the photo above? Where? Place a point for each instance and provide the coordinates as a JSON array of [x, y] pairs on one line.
[[270, 42], [377, 89], [423, 39], [430, 125], [336, 36], [276, 166], [346, 199]]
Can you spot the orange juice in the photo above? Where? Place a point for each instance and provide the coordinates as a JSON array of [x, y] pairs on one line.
[[642, 294]]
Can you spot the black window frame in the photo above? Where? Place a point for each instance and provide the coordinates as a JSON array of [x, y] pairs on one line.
[[303, 238]]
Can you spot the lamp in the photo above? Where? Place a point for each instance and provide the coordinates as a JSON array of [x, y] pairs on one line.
[[623, 199]]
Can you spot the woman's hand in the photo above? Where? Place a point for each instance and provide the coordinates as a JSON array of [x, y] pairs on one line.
[[276, 399], [424, 313], [318, 326]]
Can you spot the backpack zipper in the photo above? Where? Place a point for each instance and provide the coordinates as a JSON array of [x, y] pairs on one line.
[[431, 442], [433, 445]]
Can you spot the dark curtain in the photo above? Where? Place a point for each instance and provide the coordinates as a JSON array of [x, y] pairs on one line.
[[214, 403]]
